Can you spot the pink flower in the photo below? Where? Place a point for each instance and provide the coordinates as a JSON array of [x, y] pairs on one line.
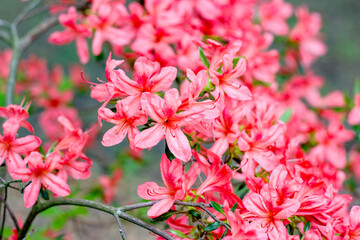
[[152, 41], [19, 113], [354, 114], [148, 77], [241, 229], [258, 145], [306, 33], [72, 146], [104, 92], [227, 81], [266, 211], [39, 172], [11, 147], [5, 58], [177, 186], [354, 157], [330, 146], [125, 119], [274, 15], [354, 226], [217, 180], [72, 31], [226, 129], [110, 185], [169, 122], [105, 27]]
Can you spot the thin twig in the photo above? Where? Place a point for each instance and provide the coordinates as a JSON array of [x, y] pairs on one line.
[[37, 31], [16, 53], [31, 231], [4, 23], [11, 212], [25, 11], [204, 207], [121, 228], [4, 214], [4, 35], [136, 206]]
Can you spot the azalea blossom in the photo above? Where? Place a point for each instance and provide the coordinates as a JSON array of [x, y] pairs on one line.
[[40, 174], [177, 186]]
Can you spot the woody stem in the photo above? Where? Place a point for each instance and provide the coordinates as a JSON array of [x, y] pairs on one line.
[[40, 207]]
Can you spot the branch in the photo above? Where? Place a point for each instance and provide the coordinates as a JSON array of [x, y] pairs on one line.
[[40, 207], [34, 33], [16, 53], [6, 37], [121, 228], [20, 44], [25, 11], [4, 23], [203, 206], [11, 212], [3, 216]]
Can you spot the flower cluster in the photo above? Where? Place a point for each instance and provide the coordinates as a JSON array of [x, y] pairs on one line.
[[249, 138], [247, 121], [26, 160]]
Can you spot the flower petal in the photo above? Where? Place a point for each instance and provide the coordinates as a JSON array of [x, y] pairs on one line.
[[178, 144], [31, 192], [160, 207]]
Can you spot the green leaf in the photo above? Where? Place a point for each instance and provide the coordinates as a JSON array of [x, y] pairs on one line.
[[300, 69], [307, 226], [66, 84], [260, 83], [234, 207], [203, 57], [100, 57], [163, 217], [41, 150], [178, 233], [188, 137], [52, 212], [286, 116], [44, 194], [59, 222], [288, 227], [168, 153], [224, 234], [212, 227], [235, 61], [60, 237], [217, 207], [2, 98], [51, 149], [243, 191], [195, 214]]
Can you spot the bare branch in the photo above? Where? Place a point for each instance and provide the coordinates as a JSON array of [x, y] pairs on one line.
[[121, 228], [203, 206], [11, 213], [37, 31], [25, 11], [40, 207]]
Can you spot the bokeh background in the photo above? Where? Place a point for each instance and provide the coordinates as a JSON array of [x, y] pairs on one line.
[[340, 67]]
